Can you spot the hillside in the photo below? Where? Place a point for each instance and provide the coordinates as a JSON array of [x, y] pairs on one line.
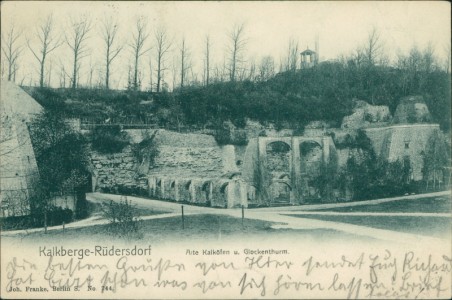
[[290, 99]]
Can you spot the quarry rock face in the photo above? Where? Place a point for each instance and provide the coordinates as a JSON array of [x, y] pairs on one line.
[[412, 109], [366, 115]]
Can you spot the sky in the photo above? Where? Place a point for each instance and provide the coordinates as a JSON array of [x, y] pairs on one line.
[[340, 26]]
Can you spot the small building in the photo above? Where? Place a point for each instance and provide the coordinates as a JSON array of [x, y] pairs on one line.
[[309, 59]]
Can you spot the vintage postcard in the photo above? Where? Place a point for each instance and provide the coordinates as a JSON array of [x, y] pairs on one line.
[[225, 150]]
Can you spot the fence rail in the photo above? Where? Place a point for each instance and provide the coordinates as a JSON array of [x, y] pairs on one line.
[[181, 129]]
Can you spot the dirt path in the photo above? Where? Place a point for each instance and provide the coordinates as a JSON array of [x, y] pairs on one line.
[[279, 215]]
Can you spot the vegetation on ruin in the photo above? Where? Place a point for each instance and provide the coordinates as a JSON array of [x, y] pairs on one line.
[[108, 139], [145, 152], [62, 158], [366, 176]]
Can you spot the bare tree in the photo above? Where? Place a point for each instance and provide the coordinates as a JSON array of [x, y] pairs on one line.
[[235, 50], [185, 62], [292, 55], [428, 59], [109, 31], [266, 68], [89, 80], [49, 73], [48, 42], [139, 38], [163, 45], [150, 73], [175, 72], [76, 36], [207, 60], [251, 70], [12, 50], [62, 75], [373, 49]]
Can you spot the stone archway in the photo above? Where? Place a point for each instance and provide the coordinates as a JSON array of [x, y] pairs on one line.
[[206, 191], [311, 156], [280, 192], [278, 156], [311, 159]]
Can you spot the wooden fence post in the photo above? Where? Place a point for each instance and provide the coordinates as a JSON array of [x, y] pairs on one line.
[[183, 221]]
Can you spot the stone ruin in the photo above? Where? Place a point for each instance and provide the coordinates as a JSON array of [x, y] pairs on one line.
[[411, 110], [269, 170], [366, 115], [19, 174]]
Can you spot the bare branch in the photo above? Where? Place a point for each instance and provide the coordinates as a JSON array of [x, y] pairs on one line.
[[236, 48], [76, 36], [12, 50], [47, 43], [139, 37], [112, 49], [163, 44]]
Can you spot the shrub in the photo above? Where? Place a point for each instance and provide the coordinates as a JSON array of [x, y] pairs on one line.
[[222, 136], [123, 218], [145, 153], [109, 139], [55, 216]]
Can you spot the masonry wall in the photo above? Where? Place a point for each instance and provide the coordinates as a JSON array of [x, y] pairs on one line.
[[111, 171], [180, 156], [399, 141]]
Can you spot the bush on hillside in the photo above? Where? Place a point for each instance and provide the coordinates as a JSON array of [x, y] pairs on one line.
[[109, 139]]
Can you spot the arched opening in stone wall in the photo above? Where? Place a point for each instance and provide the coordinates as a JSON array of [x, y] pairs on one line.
[[220, 193], [251, 194], [311, 157], [284, 176], [280, 192], [158, 188], [206, 192], [187, 185], [223, 188], [278, 155], [170, 189], [183, 187]]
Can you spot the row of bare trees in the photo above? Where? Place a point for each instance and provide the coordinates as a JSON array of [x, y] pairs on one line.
[[45, 39]]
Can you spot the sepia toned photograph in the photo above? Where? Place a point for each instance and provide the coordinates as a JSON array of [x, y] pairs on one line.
[[225, 150]]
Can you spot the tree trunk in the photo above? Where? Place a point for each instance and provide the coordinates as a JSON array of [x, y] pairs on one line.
[[74, 74], [158, 74], [10, 71], [135, 74], [182, 72], [41, 78], [107, 77], [107, 71]]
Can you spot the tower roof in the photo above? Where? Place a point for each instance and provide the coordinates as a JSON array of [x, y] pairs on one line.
[[307, 52]]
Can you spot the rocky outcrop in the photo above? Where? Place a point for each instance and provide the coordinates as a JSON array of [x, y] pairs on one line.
[[366, 115], [412, 109]]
